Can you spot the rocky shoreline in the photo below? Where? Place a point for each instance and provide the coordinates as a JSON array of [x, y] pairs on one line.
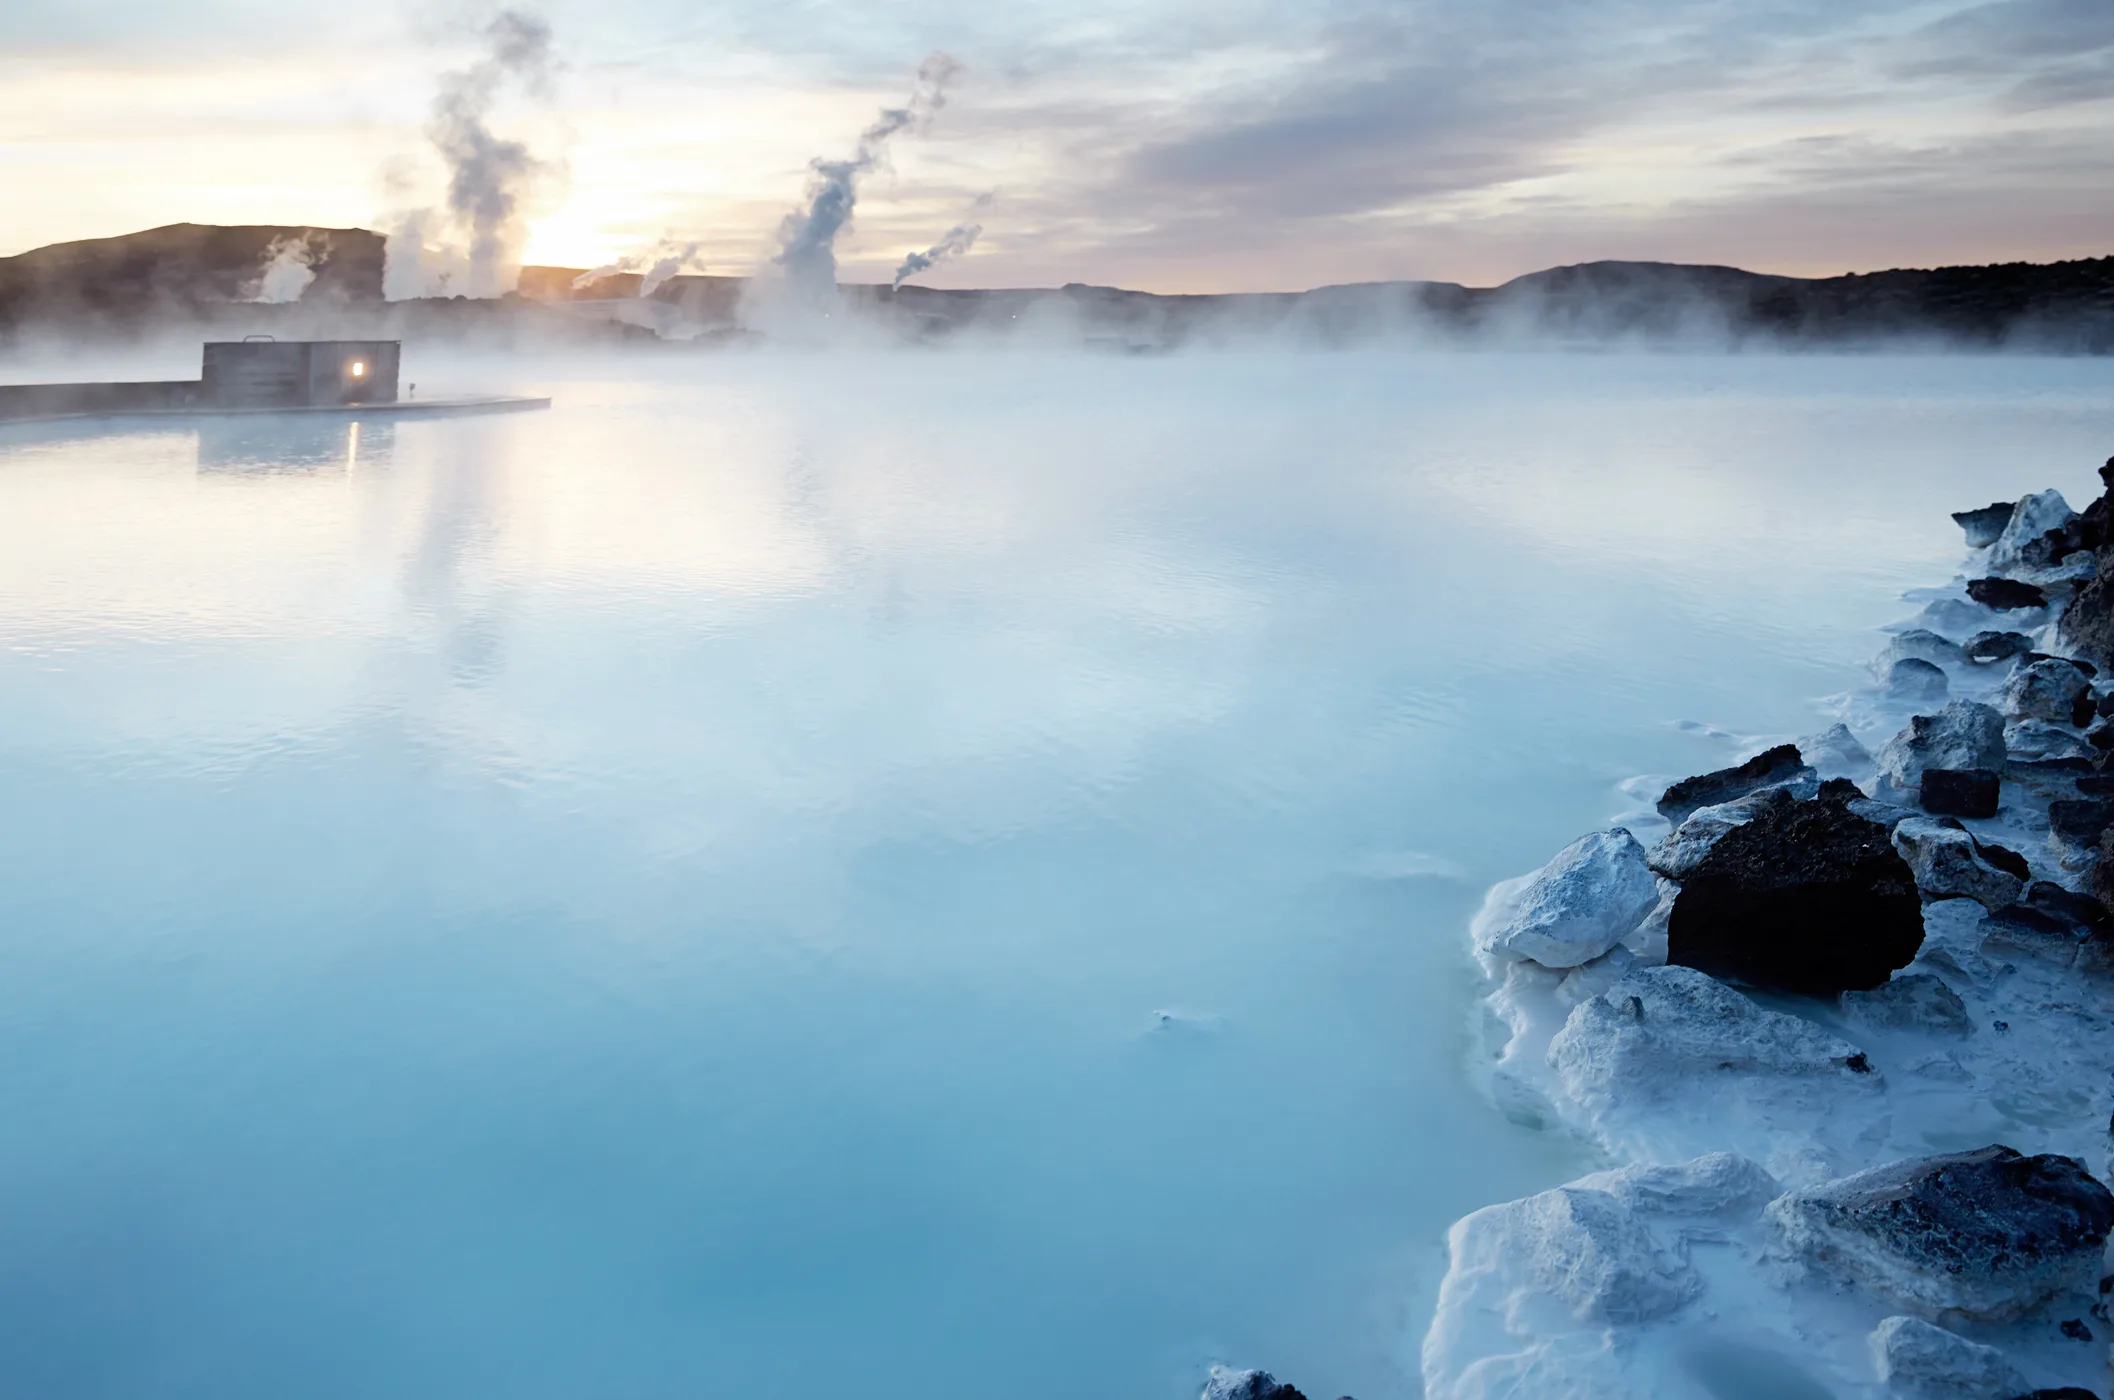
[[1840, 1019]]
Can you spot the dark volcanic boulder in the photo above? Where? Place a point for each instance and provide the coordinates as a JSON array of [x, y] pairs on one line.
[[2004, 858], [2080, 822], [1247, 1385], [1983, 1235], [2102, 885], [1985, 647], [2004, 594], [1960, 792], [1766, 769], [2088, 623], [1808, 897], [1984, 525], [2080, 909]]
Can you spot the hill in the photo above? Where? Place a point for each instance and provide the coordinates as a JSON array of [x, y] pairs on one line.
[[195, 276]]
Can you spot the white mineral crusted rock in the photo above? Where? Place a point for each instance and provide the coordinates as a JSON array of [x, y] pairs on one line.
[[1716, 1186], [2045, 690], [2035, 740], [1573, 909], [2031, 518], [1910, 1001], [1228, 1383], [1946, 866], [1981, 1236], [1585, 1248], [1962, 735], [1916, 644], [1664, 1030], [1648, 941], [1925, 1362], [1543, 1296]]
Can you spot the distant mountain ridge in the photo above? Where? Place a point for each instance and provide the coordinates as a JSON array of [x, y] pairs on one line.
[[213, 274]]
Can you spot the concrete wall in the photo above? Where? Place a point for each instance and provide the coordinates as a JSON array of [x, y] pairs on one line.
[[52, 400]]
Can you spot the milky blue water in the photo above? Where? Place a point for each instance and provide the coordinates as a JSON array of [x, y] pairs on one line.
[[934, 876]]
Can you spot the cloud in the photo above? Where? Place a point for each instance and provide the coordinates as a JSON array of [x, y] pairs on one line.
[[1190, 144]]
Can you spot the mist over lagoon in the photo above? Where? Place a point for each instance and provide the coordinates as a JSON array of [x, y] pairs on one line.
[[783, 869]]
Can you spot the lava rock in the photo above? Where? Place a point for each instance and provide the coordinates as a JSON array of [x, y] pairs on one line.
[[2004, 858], [1919, 644], [2102, 882], [2022, 930], [1947, 866], [1985, 525], [1985, 647], [2058, 1392], [2087, 625], [1576, 907], [1808, 897], [1781, 764], [2083, 667], [2083, 710], [1685, 846], [2101, 735], [2004, 594], [2031, 519], [1911, 1001], [1911, 679], [1960, 792], [2042, 741], [1925, 1362], [2044, 690], [1962, 735], [2080, 822], [2080, 909], [1986, 1235], [1228, 1384]]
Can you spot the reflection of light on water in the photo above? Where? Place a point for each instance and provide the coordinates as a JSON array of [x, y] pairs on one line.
[[352, 445]]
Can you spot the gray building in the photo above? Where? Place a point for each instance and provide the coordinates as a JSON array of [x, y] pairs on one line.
[[264, 373]]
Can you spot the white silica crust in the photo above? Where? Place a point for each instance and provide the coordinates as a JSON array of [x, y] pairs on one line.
[[1664, 1032], [1582, 903], [1637, 1282], [2031, 518], [1946, 865], [1925, 1362]]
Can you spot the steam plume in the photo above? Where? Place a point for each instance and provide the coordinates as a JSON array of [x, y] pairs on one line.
[[957, 241], [807, 239], [289, 266], [668, 259], [489, 177]]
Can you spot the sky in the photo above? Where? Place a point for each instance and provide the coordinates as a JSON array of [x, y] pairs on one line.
[[1170, 145]]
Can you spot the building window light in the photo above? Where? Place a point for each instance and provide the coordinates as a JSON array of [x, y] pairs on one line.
[[359, 369]]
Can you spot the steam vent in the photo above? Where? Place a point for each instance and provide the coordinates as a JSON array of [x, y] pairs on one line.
[[257, 375]]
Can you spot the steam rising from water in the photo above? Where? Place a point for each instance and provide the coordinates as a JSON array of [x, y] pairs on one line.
[[808, 237], [473, 246]]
